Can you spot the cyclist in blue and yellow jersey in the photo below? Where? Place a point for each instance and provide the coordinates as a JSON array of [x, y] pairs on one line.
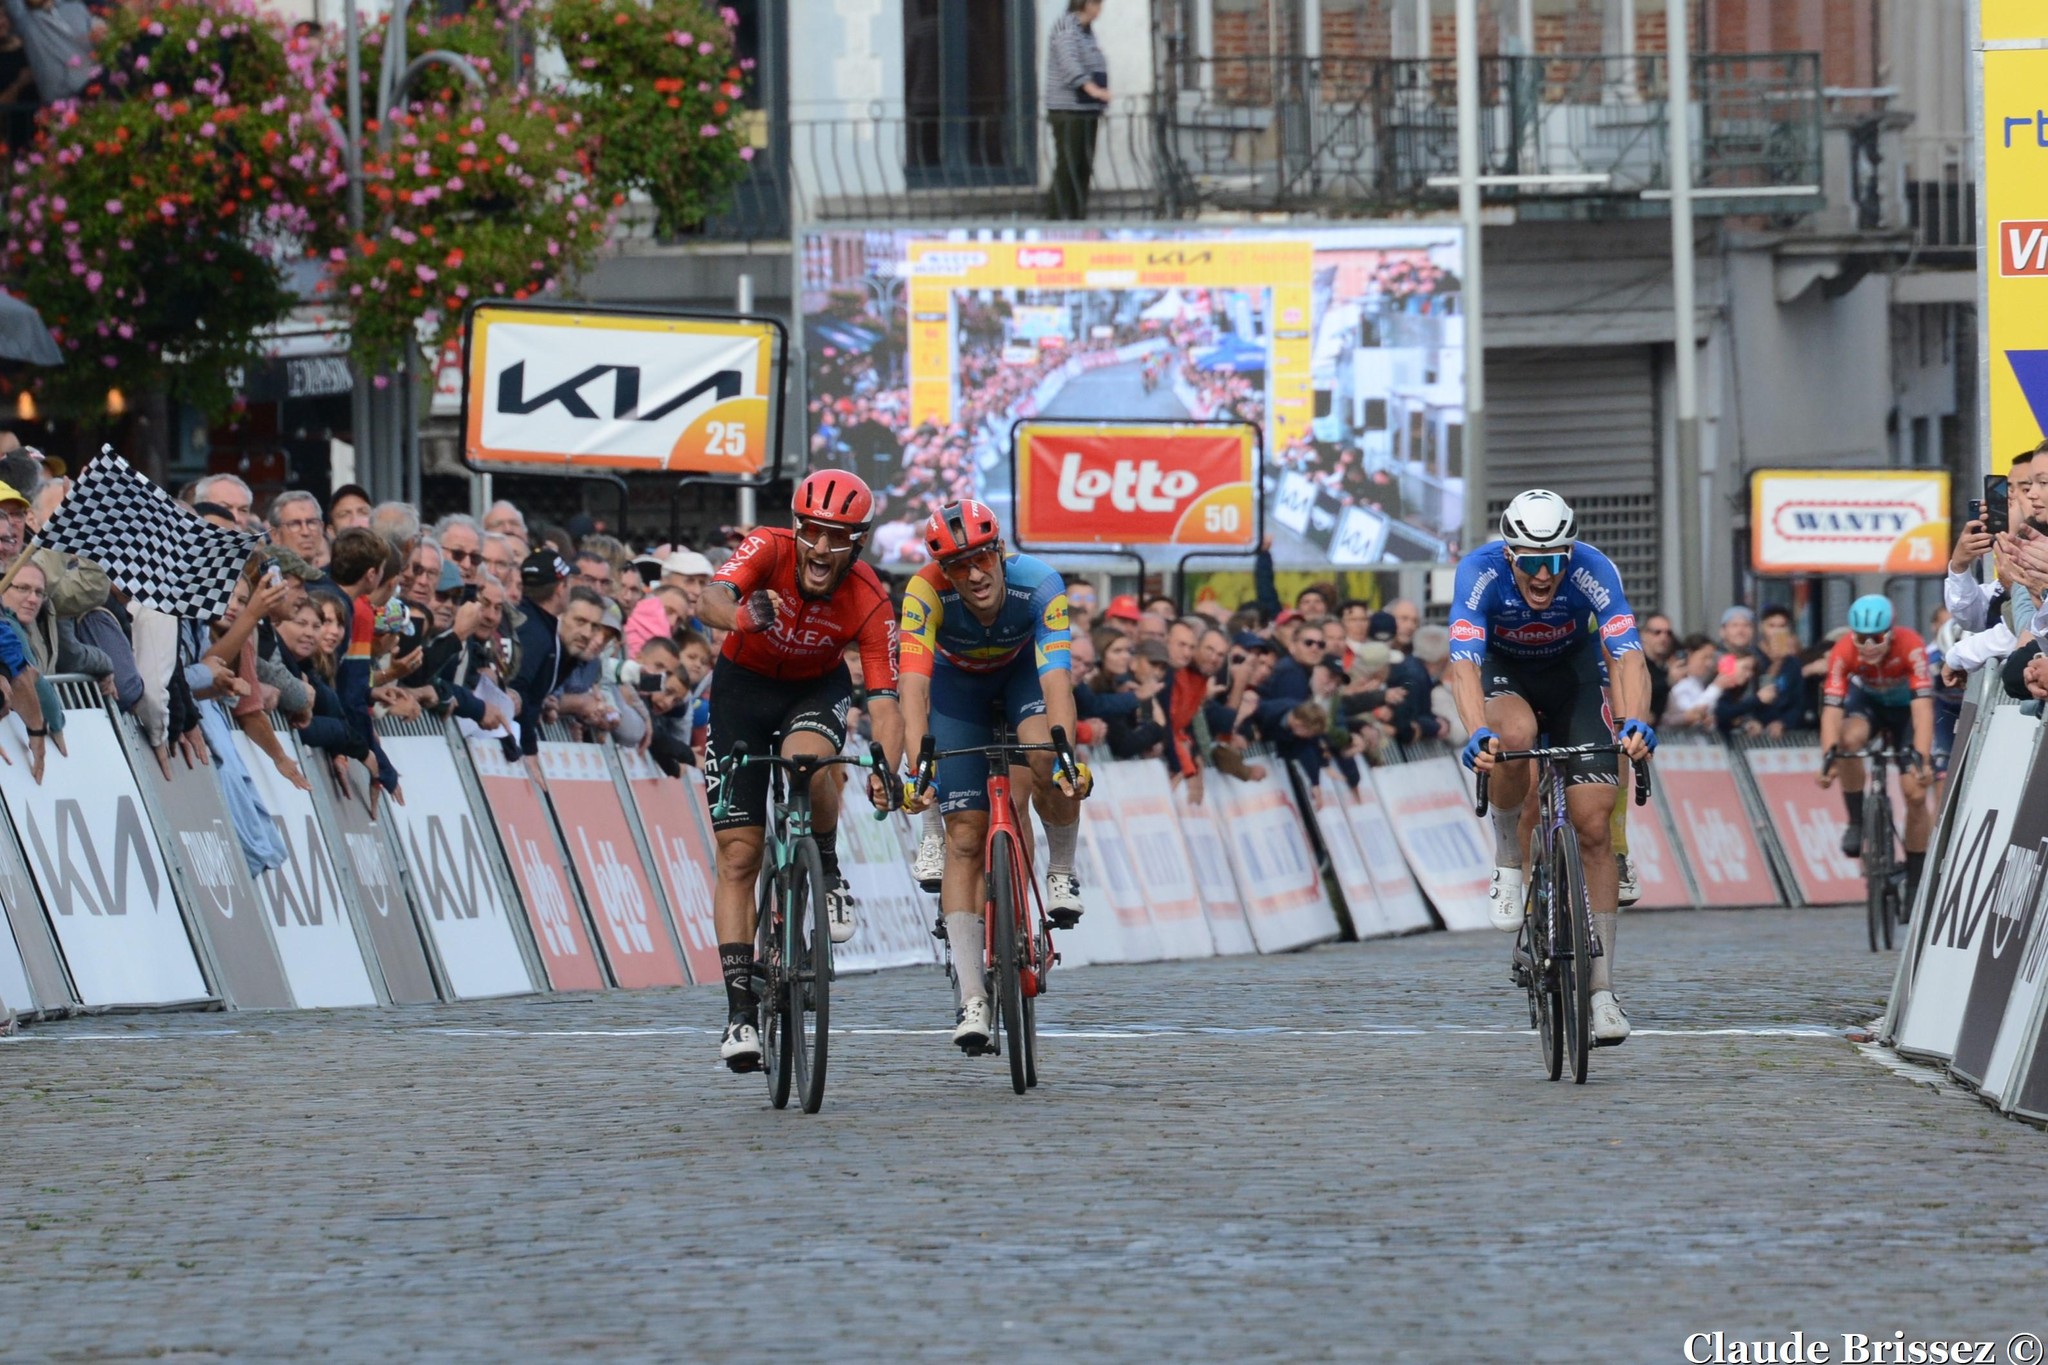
[[1529, 619], [981, 626]]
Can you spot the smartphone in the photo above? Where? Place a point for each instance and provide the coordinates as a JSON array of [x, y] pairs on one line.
[[1997, 518], [1976, 511], [274, 576], [470, 592], [651, 683]]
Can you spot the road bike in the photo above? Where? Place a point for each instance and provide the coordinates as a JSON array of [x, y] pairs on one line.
[[1884, 872], [1553, 957], [792, 934], [1017, 948]]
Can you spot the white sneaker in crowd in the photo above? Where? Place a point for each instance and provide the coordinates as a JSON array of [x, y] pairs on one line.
[[1504, 899]]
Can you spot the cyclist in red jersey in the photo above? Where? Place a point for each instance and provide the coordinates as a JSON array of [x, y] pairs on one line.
[[1878, 679], [793, 601]]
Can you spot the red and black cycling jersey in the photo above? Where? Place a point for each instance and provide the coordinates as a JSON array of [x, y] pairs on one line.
[[810, 636], [1901, 676]]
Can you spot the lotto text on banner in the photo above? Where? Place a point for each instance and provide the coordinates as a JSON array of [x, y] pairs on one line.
[[1140, 795], [673, 817], [1222, 905], [1284, 898], [538, 863], [1447, 849], [636, 938], [1696, 783]]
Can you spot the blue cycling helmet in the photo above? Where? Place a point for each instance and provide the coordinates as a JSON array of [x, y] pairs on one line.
[[1870, 615]]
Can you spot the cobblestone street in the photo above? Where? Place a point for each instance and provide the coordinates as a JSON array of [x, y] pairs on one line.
[[1350, 1153]]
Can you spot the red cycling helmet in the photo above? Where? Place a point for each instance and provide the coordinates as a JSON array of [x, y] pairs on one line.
[[959, 528], [834, 497]]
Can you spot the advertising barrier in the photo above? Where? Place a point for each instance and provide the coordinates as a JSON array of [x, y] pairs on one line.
[[636, 936], [1715, 834], [1807, 821], [49, 986], [456, 871], [1115, 878], [677, 824], [1282, 890], [205, 858], [895, 915], [2005, 985], [1402, 908], [1949, 949], [527, 834], [1141, 796], [1347, 862], [98, 868], [1449, 852], [368, 867], [1222, 905], [1659, 873]]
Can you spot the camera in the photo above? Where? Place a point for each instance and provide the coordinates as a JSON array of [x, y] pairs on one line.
[[1997, 509]]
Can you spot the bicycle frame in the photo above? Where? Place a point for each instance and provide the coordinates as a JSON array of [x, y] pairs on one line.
[[1004, 822]]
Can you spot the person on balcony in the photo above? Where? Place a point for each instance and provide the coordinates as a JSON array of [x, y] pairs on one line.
[[1076, 94]]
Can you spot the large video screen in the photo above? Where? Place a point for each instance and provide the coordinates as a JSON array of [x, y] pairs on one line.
[[1343, 345]]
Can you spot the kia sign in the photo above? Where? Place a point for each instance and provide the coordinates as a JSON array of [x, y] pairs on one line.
[[1167, 483], [1843, 521], [556, 390]]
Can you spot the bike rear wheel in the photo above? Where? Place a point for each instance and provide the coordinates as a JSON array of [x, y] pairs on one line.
[[1575, 953], [1003, 863], [808, 936], [769, 992]]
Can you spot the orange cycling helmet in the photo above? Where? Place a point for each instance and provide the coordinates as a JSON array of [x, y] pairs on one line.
[[835, 497], [960, 528]]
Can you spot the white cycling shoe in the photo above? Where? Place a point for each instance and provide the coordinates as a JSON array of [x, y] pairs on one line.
[[1063, 899], [929, 867], [1504, 899], [975, 1028], [1610, 1025], [740, 1046], [1625, 871], [839, 911]]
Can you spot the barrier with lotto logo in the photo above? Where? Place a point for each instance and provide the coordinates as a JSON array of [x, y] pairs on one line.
[[676, 821], [1340, 845], [1981, 834], [1659, 872], [206, 862], [539, 868], [456, 867], [1402, 908], [1446, 848], [1140, 795], [1122, 930], [636, 937], [1283, 894], [97, 867], [1807, 821], [1222, 905], [1715, 834]]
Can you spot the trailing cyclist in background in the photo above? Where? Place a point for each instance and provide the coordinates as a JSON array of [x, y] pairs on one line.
[[1879, 682], [1531, 614], [967, 618], [793, 601]]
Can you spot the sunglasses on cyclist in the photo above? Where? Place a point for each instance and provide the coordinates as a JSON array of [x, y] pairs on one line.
[[983, 560], [1879, 638], [836, 540], [1533, 563]]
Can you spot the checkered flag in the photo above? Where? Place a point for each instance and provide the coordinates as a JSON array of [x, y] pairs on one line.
[[160, 552]]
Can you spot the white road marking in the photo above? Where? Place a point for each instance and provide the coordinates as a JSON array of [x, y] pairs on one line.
[[1124, 1034]]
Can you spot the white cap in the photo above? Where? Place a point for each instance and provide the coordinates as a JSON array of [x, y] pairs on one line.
[[686, 562]]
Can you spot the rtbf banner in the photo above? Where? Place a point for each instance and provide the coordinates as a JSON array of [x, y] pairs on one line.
[[555, 389], [1822, 521], [1091, 483]]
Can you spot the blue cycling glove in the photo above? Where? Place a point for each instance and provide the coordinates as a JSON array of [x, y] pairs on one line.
[[1470, 757], [1630, 729]]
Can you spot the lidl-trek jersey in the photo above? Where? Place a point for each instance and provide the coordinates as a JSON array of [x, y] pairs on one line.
[[1895, 680], [1488, 614], [937, 625], [809, 637]]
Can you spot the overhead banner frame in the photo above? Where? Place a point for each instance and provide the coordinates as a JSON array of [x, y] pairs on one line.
[[1849, 521]]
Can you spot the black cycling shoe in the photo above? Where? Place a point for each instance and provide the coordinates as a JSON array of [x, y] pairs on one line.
[[1852, 841]]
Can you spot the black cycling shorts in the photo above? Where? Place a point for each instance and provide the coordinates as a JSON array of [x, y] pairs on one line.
[[1889, 724], [752, 709], [1570, 703]]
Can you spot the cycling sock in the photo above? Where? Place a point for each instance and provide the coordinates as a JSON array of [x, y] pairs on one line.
[[934, 823], [736, 960], [1059, 847], [1603, 965], [827, 841], [1507, 837], [1916, 863], [964, 933], [1854, 801]]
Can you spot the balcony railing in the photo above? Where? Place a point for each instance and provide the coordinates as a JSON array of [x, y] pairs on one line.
[[1335, 137]]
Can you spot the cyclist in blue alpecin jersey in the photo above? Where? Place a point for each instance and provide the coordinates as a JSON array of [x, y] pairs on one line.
[[981, 627], [1528, 622]]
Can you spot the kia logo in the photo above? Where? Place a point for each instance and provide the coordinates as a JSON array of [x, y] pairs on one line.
[[512, 397]]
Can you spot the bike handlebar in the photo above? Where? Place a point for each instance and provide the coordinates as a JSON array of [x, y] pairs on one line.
[[1641, 768], [929, 754], [807, 765], [1905, 758]]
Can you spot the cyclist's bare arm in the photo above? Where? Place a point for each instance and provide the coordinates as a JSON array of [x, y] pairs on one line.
[[886, 716], [1057, 685], [1923, 728], [1467, 693], [915, 693]]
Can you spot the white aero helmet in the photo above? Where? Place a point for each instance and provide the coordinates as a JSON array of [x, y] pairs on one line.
[[1538, 520]]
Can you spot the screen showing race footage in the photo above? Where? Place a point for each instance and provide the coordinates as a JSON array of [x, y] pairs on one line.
[[1344, 346]]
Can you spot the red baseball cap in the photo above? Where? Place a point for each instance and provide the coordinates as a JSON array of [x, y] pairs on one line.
[[1288, 615], [1124, 608]]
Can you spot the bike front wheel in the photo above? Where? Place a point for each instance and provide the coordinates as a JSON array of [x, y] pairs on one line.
[[808, 951], [770, 973], [1544, 1002], [1005, 914], [1877, 869], [1574, 939]]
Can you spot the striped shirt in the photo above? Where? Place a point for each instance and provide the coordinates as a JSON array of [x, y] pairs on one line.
[[1073, 58]]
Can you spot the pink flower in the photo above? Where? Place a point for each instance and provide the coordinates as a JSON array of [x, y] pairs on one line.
[[93, 280], [381, 381], [708, 130], [746, 153], [426, 273], [705, 49], [114, 208]]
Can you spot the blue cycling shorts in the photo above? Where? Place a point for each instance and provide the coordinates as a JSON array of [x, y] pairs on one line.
[[963, 704]]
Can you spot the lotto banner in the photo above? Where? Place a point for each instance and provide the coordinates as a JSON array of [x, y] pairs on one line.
[[537, 862], [1222, 906], [1808, 820], [1134, 484], [558, 390], [1276, 869], [1140, 796], [1657, 868], [676, 821], [2015, 197], [586, 802], [1449, 851], [1696, 783]]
